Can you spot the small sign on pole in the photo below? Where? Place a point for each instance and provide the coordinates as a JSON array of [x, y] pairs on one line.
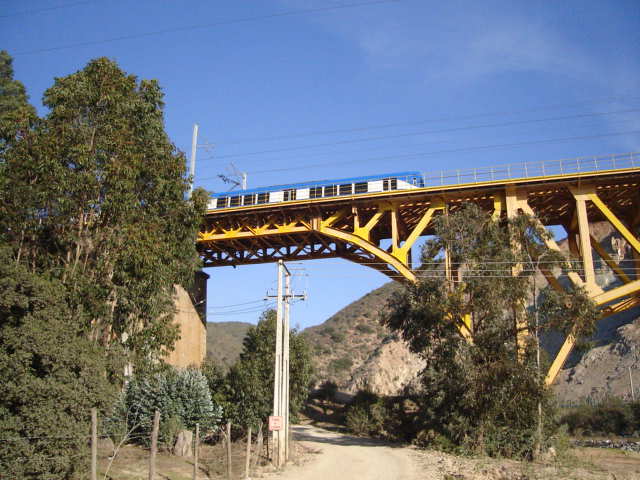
[[275, 423]]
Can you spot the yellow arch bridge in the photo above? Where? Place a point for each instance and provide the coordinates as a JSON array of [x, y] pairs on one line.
[[570, 193]]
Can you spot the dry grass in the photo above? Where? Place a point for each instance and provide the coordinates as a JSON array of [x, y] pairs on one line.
[[132, 463]]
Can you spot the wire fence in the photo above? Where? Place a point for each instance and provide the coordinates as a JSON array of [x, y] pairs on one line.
[[231, 453]]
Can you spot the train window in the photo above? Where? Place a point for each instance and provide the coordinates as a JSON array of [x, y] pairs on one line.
[[263, 198], [249, 199], [330, 190], [289, 194], [315, 192], [222, 202], [234, 201], [390, 184], [361, 187], [345, 189]]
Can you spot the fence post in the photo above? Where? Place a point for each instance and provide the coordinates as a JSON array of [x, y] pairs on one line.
[[256, 457], [94, 444], [229, 451], [196, 448], [248, 456], [154, 445]]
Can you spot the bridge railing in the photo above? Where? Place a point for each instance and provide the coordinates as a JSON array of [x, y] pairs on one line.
[[532, 169]]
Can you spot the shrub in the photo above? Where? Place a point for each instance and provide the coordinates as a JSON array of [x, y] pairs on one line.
[[358, 420], [340, 364], [613, 417], [181, 396], [337, 337], [364, 328]]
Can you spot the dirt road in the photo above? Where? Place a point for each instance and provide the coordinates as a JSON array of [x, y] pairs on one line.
[[344, 457]]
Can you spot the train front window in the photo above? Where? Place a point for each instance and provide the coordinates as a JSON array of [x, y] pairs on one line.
[[390, 184], [361, 187], [289, 194]]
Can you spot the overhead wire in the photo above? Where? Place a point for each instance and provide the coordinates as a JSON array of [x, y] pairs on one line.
[[619, 123], [426, 132], [205, 26], [441, 152], [46, 9], [422, 122]]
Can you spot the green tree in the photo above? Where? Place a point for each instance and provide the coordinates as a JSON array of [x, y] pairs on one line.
[[95, 231], [95, 195], [484, 395], [52, 375], [16, 114], [250, 379], [180, 395]]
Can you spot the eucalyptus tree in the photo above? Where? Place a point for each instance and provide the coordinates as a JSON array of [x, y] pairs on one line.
[[96, 195], [485, 393]]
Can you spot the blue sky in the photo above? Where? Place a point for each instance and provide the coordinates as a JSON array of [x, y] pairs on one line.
[[312, 90]]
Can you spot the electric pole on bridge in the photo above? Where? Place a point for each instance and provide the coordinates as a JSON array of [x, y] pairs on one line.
[[281, 367]]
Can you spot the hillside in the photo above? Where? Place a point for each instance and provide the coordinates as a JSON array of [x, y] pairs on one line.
[[353, 349], [224, 341]]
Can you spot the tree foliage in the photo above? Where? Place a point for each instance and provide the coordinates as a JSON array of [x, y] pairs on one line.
[[95, 231], [483, 395], [52, 375], [94, 194], [179, 395], [248, 385], [16, 114]]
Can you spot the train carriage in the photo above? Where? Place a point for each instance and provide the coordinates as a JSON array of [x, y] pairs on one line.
[[319, 189]]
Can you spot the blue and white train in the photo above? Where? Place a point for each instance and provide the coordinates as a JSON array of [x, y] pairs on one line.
[[319, 189]]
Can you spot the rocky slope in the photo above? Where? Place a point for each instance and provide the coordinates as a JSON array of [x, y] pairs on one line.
[[353, 349]]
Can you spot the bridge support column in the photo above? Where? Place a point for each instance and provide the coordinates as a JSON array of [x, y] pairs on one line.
[[581, 196], [515, 199]]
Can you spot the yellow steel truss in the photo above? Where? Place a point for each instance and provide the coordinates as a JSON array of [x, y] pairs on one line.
[[355, 228]]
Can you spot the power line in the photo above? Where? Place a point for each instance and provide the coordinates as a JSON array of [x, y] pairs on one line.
[[618, 124], [441, 152], [235, 304], [421, 122], [46, 9], [426, 132], [205, 26]]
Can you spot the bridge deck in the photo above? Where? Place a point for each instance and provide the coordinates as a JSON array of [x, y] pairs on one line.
[[354, 227], [548, 196]]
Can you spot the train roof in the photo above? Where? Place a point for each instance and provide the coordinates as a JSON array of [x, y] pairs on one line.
[[317, 183]]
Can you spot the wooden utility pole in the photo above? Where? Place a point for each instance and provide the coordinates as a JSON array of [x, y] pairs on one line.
[[229, 471], [247, 464], [154, 445], [196, 448], [94, 444]]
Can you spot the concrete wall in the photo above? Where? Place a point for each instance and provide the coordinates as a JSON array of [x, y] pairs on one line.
[[191, 348]]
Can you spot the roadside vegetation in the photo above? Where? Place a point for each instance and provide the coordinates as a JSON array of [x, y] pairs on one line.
[[612, 416], [95, 231]]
